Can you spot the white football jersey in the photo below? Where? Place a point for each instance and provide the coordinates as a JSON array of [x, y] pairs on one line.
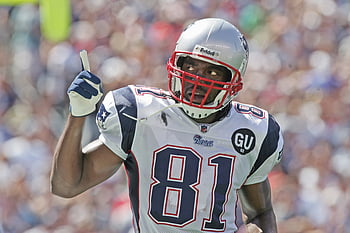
[[184, 176]]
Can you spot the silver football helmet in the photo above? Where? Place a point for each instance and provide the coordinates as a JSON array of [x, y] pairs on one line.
[[215, 41]]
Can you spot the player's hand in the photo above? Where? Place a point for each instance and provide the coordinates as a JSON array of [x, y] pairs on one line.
[[84, 93]]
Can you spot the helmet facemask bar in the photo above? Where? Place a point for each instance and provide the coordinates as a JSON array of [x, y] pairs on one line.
[[178, 78]]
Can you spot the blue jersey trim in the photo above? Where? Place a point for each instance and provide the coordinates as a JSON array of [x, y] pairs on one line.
[[133, 174], [125, 102]]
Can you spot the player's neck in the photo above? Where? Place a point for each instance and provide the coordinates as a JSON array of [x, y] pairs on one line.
[[216, 116]]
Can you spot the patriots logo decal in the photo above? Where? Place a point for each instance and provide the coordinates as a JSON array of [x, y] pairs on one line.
[[102, 116]]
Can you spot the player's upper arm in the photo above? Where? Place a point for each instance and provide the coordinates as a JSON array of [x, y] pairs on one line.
[[99, 163], [255, 199]]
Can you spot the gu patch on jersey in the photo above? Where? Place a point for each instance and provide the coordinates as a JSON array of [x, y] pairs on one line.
[[102, 116], [243, 140]]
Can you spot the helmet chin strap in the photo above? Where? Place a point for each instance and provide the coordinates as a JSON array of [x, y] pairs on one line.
[[198, 113]]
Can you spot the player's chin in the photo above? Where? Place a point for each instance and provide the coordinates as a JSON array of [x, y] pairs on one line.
[[195, 99]]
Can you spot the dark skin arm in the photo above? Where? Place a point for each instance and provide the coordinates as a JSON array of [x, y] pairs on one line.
[[256, 204], [74, 170]]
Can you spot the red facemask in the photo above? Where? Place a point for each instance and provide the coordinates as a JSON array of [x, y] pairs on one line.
[[198, 83]]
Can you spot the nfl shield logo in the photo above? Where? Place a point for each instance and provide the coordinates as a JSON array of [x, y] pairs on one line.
[[204, 128]]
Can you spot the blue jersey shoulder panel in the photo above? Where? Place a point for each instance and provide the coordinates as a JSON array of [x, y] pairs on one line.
[[125, 104], [269, 144]]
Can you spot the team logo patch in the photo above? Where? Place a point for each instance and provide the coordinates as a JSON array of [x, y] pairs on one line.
[[197, 139], [245, 45], [102, 116], [280, 155], [243, 140]]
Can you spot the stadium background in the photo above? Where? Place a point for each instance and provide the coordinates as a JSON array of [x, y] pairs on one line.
[[298, 70]]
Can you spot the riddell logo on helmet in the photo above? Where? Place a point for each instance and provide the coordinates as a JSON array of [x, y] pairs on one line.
[[206, 51]]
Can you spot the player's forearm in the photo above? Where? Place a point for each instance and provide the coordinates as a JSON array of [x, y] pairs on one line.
[[68, 160], [265, 222]]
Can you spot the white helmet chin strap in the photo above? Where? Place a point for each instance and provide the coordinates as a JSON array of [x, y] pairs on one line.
[[199, 113]]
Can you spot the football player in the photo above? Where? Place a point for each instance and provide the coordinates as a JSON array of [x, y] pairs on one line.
[[191, 153]]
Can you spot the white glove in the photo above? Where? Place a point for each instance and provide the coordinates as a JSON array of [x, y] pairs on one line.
[[84, 93]]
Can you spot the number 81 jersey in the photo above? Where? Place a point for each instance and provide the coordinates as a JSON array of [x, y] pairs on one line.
[[184, 176]]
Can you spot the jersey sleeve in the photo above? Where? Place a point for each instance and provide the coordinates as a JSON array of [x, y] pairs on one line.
[[269, 155], [115, 123]]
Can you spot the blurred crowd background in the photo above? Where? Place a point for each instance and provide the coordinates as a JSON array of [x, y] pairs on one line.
[[299, 70]]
